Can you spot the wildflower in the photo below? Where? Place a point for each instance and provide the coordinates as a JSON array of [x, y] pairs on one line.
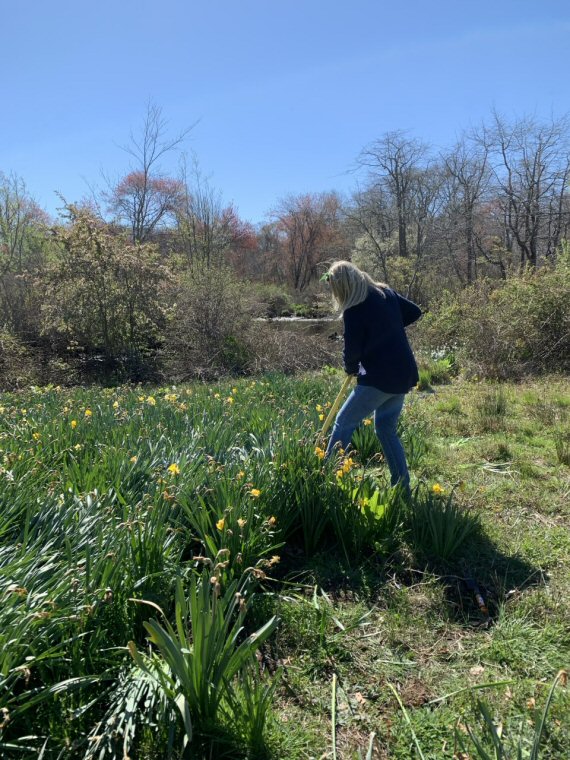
[[255, 492], [367, 422], [339, 474], [274, 559], [36, 436], [73, 424], [241, 522], [234, 391], [319, 408], [240, 475], [216, 395], [272, 520], [348, 465], [88, 413], [142, 398], [174, 469], [133, 460], [230, 400], [78, 447], [220, 524], [151, 401], [321, 417], [437, 489], [320, 452], [115, 405]]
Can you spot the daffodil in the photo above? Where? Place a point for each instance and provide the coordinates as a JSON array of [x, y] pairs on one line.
[[73, 424], [220, 524], [320, 452], [133, 460], [174, 469], [241, 522], [151, 400], [88, 413], [437, 489], [255, 492]]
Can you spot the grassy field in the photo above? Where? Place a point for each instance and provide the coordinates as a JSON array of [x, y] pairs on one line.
[[183, 576]]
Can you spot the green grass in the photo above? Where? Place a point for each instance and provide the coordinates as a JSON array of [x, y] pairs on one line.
[[137, 515]]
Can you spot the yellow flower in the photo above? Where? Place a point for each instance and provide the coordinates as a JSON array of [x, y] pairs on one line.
[[272, 520], [437, 489], [151, 400], [141, 398], [73, 424], [319, 408], [216, 395], [88, 413], [115, 404], [220, 524], [241, 522], [230, 400], [367, 422], [255, 492], [174, 469], [133, 460], [274, 559], [240, 475], [320, 452], [339, 473], [234, 391], [321, 417], [36, 436]]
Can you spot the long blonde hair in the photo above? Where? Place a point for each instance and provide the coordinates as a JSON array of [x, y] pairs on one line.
[[350, 285]]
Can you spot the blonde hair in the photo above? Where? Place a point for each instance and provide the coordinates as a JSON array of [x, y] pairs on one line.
[[350, 285]]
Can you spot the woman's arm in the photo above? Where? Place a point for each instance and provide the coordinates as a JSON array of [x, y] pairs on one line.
[[409, 310]]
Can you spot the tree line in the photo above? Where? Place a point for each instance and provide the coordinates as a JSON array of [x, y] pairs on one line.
[[107, 276]]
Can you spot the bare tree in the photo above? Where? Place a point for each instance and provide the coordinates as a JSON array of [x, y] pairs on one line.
[[22, 247], [531, 167], [207, 230], [392, 163], [145, 197], [466, 180]]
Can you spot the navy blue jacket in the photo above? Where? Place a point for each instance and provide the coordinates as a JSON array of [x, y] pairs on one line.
[[376, 346]]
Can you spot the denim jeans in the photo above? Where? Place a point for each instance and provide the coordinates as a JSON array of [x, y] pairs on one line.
[[364, 400]]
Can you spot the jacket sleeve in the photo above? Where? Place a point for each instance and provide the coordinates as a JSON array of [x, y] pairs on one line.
[[409, 310], [353, 342]]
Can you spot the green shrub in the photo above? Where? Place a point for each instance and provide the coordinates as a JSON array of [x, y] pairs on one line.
[[510, 329]]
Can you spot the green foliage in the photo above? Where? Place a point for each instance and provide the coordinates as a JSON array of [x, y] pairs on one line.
[[493, 744], [198, 657], [438, 527], [507, 329], [103, 295]]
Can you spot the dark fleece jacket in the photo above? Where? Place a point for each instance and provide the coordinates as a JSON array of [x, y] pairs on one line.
[[376, 347]]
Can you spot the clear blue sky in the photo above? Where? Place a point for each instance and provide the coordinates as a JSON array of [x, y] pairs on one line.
[[285, 92]]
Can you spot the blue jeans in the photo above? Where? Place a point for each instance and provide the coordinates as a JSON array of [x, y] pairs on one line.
[[364, 400]]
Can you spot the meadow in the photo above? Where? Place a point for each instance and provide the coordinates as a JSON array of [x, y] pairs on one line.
[[182, 575]]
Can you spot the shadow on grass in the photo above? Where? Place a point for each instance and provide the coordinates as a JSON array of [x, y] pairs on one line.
[[437, 541]]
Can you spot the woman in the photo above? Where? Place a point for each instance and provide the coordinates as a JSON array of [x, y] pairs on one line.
[[377, 351]]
